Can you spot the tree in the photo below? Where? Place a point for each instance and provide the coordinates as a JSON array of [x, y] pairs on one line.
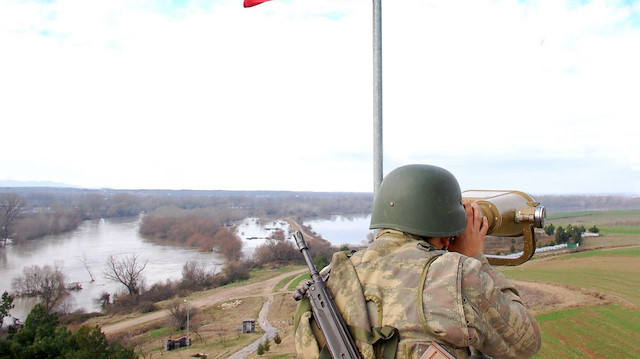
[[126, 271], [5, 306], [85, 261], [181, 313], [194, 275], [594, 229], [103, 300], [277, 339], [549, 229], [10, 206], [575, 233], [260, 349], [561, 235], [266, 345], [46, 283], [276, 252], [43, 337]]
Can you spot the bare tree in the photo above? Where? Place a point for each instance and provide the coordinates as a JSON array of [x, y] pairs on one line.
[[103, 300], [46, 283], [84, 261], [182, 314], [10, 206], [126, 271]]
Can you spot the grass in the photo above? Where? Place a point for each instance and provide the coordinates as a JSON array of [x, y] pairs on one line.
[[595, 216], [257, 275], [609, 222], [295, 283], [610, 271], [159, 333], [282, 283], [625, 230], [609, 331], [633, 252], [218, 329]]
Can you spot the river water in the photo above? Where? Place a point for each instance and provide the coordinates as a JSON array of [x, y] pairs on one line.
[[342, 229], [94, 241]]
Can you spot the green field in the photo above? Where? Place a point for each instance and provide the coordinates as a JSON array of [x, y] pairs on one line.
[[625, 222], [625, 230], [616, 272], [594, 216], [608, 331]]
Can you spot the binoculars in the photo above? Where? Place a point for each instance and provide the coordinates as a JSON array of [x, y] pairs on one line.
[[509, 214]]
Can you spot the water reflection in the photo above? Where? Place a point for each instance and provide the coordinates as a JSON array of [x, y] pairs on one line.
[[93, 242], [340, 230]]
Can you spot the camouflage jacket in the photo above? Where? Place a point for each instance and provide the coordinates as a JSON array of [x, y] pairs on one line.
[[430, 294]]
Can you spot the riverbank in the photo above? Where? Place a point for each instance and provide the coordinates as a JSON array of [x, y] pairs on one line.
[[86, 250]]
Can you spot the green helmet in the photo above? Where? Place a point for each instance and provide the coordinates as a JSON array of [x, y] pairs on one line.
[[420, 199]]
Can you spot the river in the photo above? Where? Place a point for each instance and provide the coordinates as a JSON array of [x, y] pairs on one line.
[[341, 230], [94, 241]]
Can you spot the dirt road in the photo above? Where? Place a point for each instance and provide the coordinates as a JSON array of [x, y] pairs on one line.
[[260, 289]]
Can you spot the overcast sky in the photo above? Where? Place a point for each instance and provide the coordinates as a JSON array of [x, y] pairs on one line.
[[539, 96]]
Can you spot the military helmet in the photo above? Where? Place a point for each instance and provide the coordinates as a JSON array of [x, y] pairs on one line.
[[419, 199]]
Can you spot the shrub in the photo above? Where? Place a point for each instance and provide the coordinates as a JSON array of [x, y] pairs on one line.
[[147, 307]]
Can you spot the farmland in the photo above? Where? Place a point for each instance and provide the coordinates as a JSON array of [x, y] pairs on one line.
[[598, 331]]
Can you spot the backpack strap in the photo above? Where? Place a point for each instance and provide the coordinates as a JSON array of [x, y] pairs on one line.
[[379, 342]]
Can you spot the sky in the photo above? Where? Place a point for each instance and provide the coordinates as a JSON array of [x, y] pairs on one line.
[[537, 96]]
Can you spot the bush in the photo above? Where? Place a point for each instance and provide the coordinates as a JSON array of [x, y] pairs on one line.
[[277, 252], [236, 271], [147, 307], [160, 291]]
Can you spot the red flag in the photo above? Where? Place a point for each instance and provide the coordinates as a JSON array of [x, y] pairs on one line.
[[250, 3]]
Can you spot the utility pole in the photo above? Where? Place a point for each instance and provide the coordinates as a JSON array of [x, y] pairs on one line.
[[187, 305]]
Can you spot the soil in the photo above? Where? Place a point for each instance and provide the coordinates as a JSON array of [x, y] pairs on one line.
[[544, 297]]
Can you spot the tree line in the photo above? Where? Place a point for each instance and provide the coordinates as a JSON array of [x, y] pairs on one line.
[[570, 233], [32, 213]]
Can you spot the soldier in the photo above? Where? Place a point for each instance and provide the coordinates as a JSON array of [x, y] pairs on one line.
[[425, 275]]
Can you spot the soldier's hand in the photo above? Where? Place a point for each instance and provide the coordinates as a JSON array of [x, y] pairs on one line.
[[471, 241]]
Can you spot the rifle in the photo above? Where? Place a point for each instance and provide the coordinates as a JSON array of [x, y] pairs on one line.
[[325, 312]]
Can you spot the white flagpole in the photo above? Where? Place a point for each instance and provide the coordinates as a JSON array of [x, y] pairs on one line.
[[377, 95]]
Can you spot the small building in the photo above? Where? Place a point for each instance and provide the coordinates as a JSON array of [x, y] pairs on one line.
[[170, 344], [249, 326]]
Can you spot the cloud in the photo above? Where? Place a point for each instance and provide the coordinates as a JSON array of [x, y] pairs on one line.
[[195, 94]]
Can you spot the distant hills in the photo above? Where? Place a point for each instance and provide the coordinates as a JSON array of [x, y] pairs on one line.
[[554, 203]]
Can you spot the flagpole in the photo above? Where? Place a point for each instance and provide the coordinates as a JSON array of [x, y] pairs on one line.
[[377, 95]]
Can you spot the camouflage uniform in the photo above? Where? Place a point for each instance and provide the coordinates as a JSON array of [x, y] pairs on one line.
[[429, 294]]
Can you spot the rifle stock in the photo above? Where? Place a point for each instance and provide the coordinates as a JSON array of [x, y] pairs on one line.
[[325, 312]]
